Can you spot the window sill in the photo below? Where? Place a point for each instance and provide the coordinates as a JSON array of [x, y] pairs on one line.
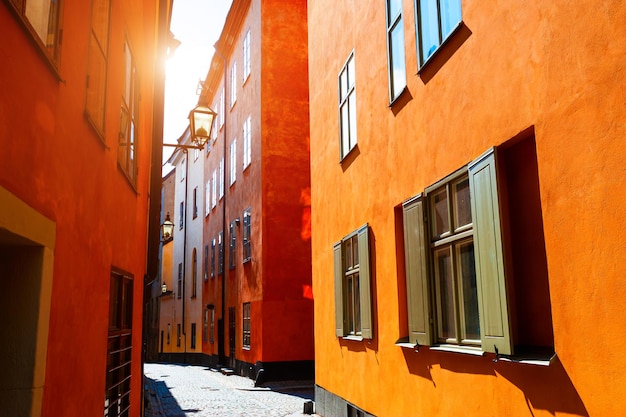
[[397, 98], [353, 338], [530, 356], [459, 349]]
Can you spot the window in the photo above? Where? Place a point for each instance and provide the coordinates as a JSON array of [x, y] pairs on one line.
[[455, 259], [178, 337], [221, 175], [207, 198], [353, 312], [181, 216], [214, 189], [233, 84], [205, 326], [246, 325], [169, 332], [220, 252], [129, 132], [179, 291], [347, 107], [193, 336], [395, 49], [436, 20], [213, 258], [246, 235], [194, 273], [97, 58], [119, 348], [195, 202], [42, 18], [233, 244], [247, 144], [222, 105], [212, 326], [206, 262], [233, 161], [246, 56]]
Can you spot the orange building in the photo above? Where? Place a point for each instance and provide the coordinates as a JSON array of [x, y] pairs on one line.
[[80, 97], [467, 196], [258, 304]]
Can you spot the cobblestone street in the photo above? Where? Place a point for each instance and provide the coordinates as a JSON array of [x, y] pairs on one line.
[[184, 390]]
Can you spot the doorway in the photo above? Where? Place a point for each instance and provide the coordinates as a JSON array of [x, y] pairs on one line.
[[231, 336]]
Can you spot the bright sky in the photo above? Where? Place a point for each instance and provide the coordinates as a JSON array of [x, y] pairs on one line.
[[197, 24]]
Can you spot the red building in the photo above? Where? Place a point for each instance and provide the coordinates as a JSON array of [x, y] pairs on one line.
[[258, 303], [80, 104]]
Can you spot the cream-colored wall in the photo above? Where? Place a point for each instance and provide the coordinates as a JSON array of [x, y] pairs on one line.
[[27, 241]]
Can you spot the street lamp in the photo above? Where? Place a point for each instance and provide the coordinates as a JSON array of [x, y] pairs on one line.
[[200, 124], [167, 228]]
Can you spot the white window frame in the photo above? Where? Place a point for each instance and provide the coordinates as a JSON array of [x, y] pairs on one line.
[[214, 189], [233, 84], [246, 56], [395, 49], [207, 198], [347, 107], [247, 142], [221, 179], [233, 161]]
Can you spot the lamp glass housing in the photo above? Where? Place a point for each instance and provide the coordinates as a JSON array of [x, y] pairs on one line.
[[201, 123], [167, 228]]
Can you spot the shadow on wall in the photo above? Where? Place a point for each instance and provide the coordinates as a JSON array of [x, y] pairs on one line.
[[545, 388]]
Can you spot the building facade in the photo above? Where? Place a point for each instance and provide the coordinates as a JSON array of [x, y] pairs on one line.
[[180, 300], [467, 197], [256, 291], [79, 107]]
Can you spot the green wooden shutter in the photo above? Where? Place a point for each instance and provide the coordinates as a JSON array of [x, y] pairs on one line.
[[490, 277], [339, 316], [364, 283], [417, 281]]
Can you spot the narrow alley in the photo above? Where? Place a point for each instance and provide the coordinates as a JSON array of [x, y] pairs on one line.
[[175, 390]]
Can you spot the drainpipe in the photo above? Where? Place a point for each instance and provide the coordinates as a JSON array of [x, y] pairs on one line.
[[221, 330]]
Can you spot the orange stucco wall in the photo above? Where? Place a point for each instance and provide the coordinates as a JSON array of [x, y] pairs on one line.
[[53, 160], [556, 69]]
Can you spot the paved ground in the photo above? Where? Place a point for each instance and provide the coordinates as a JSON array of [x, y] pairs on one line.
[[197, 391]]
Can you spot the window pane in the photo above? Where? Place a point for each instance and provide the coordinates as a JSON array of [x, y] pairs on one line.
[[357, 304], [398, 75], [394, 7], [445, 293], [345, 132], [343, 85], [450, 16], [349, 259], [467, 271], [462, 203], [100, 22], [429, 28], [441, 223], [38, 14], [96, 89], [351, 75], [352, 108], [350, 303]]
